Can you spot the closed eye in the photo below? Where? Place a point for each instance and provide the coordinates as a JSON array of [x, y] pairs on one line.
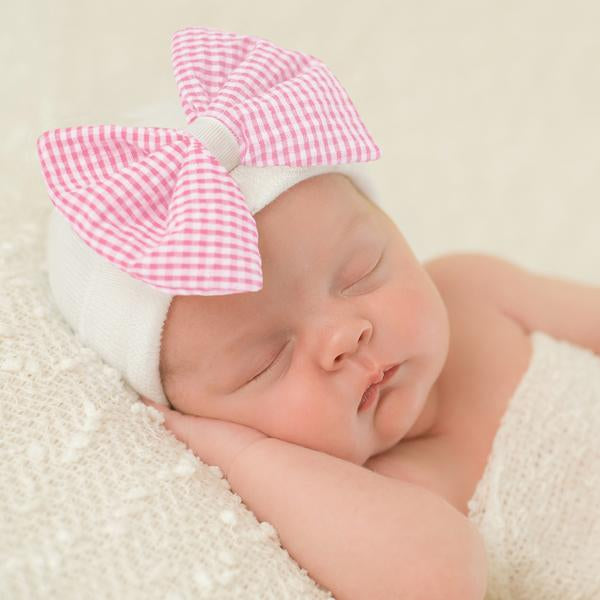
[[370, 272], [268, 368]]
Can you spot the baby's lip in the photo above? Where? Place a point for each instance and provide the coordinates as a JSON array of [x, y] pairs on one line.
[[389, 373], [378, 378]]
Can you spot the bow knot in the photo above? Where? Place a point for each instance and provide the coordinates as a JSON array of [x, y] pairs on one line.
[[217, 139]]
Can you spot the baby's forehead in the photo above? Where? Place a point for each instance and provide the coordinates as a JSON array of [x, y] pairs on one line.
[[318, 206]]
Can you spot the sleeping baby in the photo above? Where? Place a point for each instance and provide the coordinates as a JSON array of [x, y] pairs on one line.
[[411, 430]]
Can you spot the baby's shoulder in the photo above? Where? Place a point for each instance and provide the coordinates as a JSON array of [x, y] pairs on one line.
[[563, 308], [480, 330], [464, 274]]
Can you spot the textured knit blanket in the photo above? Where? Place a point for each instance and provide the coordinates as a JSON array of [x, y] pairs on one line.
[[538, 502], [97, 499]]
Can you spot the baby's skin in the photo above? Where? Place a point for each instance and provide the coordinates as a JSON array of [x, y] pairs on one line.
[[268, 386]]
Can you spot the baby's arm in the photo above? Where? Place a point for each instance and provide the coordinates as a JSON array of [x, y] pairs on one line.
[[358, 533]]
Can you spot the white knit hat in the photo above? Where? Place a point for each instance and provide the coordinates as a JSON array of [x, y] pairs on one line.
[[122, 318]]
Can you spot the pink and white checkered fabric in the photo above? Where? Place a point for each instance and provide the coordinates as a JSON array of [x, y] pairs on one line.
[[158, 205]]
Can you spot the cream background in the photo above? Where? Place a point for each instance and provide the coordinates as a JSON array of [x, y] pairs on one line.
[[486, 112]]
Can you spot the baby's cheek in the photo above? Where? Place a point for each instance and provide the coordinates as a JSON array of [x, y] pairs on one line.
[[303, 413], [300, 416]]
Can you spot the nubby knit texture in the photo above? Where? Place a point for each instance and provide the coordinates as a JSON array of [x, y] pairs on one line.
[[537, 504]]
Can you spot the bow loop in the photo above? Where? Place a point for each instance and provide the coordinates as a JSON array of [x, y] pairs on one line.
[[284, 107], [156, 204]]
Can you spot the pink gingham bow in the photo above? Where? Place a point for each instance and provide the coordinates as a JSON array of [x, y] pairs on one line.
[[159, 205]]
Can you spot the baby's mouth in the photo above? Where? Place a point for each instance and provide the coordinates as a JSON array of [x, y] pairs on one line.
[[371, 394]]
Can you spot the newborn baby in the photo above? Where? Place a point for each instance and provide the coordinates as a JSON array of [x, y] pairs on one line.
[[355, 349], [360, 401]]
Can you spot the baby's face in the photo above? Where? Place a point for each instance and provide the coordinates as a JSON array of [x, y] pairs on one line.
[[343, 297]]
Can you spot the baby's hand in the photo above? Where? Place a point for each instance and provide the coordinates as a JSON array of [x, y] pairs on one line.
[[214, 441]]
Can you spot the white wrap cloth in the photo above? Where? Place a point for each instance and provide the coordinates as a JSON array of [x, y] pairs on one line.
[[537, 504]]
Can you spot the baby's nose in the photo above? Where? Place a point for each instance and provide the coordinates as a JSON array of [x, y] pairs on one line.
[[342, 340]]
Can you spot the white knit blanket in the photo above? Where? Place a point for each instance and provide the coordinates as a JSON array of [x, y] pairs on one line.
[[97, 499], [538, 502]]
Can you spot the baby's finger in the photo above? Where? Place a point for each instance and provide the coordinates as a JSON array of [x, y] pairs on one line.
[[173, 420], [161, 407]]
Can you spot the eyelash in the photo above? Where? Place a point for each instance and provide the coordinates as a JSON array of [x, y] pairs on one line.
[[369, 273], [259, 375]]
